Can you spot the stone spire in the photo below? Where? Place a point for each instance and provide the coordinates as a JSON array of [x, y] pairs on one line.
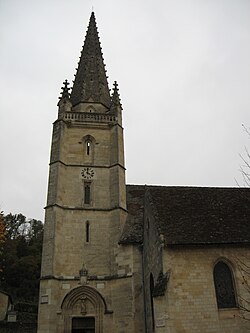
[[90, 84]]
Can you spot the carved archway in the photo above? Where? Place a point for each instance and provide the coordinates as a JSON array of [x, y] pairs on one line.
[[83, 302]]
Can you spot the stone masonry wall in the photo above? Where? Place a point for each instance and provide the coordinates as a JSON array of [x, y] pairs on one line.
[[121, 316], [189, 304]]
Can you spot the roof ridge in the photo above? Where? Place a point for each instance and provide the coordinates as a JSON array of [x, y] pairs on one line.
[[190, 187]]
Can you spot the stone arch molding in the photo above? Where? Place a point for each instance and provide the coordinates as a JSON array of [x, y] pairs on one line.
[[83, 301], [228, 262], [88, 137]]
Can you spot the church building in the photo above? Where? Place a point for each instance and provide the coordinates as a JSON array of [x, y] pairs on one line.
[[123, 258]]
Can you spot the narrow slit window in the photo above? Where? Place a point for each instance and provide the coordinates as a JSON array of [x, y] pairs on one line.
[[88, 145], [87, 232], [87, 193]]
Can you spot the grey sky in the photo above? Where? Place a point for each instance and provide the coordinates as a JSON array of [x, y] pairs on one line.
[[183, 69]]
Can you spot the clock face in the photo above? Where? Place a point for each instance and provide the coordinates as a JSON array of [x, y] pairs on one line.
[[88, 173]]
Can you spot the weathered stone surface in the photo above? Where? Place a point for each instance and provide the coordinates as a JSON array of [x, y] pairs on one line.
[[133, 258]]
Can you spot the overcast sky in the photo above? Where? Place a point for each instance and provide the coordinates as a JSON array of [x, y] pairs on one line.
[[183, 68]]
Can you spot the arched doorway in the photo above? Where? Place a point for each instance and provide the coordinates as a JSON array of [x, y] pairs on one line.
[[83, 309]]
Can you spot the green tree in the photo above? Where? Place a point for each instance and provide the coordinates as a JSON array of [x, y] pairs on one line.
[[21, 257]]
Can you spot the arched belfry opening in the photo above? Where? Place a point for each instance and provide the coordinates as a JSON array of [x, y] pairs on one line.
[[83, 309]]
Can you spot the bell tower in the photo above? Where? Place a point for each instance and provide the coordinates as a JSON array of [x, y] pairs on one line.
[[86, 206]]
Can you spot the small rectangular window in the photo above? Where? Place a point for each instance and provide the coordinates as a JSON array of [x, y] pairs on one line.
[[87, 193]]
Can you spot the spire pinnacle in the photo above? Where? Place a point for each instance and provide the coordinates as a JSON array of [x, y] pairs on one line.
[[65, 90], [91, 83], [115, 100], [64, 103]]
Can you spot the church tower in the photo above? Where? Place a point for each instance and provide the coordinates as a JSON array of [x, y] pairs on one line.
[[86, 284]]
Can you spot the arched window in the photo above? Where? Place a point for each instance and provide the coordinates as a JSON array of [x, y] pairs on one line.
[[88, 142], [224, 286]]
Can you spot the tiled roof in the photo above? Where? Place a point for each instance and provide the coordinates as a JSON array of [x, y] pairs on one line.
[[191, 215]]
